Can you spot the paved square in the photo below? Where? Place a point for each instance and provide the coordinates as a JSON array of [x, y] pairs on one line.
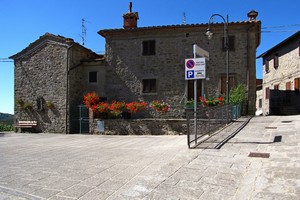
[[54, 166]]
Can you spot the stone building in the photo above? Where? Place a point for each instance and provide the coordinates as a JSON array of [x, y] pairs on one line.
[[147, 63], [54, 70], [281, 77], [140, 63]]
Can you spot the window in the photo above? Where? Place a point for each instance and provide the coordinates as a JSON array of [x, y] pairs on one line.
[[299, 48], [288, 92], [40, 103], [276, 63], [223, 83], [260, 103], [276, 90], [149, 85], [148, 47], [191, 89], [297, 86], [230, 43], [267, 93], [93, 77], [288, 86], [267, 69]]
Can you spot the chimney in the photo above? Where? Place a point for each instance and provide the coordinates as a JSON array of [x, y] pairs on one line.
[[252, 15], [130, 18]]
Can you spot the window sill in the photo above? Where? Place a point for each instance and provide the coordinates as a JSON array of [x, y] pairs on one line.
[[149, 94]]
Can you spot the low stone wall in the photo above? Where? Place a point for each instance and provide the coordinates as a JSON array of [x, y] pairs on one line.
[[140, 127]]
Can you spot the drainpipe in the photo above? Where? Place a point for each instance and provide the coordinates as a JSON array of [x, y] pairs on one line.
[[67, 92], [248, 69]]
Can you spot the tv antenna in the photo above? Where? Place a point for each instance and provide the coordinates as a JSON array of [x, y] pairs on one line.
[[184, 18], [83, 31]]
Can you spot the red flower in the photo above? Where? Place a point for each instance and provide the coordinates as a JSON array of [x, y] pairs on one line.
[[90, 99], [117, 106], [101, 107], [160, 106], [212, 101], [135, 106], [220, 98]]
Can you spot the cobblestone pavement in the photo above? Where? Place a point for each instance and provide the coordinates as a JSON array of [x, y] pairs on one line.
[[64, 167]]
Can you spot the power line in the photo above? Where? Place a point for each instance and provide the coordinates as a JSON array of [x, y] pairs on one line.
[[278, 31], [281, 26], [5, 60]]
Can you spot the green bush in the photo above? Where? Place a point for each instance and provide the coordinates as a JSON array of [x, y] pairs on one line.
[[237, 95], [6, 127]]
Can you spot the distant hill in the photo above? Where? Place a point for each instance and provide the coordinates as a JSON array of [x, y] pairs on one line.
[[6, 118]]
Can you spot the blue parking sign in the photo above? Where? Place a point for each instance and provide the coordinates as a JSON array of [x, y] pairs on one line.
[[190, 74]]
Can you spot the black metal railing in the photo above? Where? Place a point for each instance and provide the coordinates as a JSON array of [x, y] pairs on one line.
[[208, 120]]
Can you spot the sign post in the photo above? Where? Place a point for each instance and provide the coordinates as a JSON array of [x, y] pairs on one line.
[[195, 68]]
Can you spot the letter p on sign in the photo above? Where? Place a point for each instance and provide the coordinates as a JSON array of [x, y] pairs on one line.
[[190, 74]]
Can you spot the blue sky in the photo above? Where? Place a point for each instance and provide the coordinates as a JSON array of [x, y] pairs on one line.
[[24, 21]]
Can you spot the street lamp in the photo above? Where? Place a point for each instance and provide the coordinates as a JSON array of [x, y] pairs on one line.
[[209, 35]]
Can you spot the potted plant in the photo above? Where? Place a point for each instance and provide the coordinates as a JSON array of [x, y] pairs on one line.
[[27, 106], [135, 106], [19, 102], [90, 99], [117, 108], [212, 101], [50, 105], [160, 106], [189, 104], [101, 110]]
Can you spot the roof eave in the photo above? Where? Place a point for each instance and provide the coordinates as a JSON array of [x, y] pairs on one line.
[[297, 34], [106, 32]]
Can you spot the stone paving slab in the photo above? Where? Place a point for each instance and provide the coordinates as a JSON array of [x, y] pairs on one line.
[[64, 167]]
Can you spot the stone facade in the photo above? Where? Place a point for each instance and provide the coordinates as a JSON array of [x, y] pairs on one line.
[[280, 94], [50, 70], [128, 67]]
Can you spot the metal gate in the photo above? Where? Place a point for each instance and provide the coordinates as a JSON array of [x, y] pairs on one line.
[[84, 125]]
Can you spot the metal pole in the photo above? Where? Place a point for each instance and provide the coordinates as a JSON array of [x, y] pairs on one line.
[[227, 59], [195, 102], [80, 120], [227, 67], [226, 45]]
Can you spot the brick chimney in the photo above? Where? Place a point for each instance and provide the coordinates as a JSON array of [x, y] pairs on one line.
[[130, 18], [252, 15]]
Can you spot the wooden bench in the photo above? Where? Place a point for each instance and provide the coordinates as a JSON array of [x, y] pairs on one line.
[[26, 125]]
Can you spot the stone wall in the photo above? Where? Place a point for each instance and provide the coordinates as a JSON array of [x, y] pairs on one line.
[[42, 75], [141, 127]]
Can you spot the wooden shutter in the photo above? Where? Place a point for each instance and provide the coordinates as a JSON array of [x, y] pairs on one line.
[[267, 93], [288, 85], [297, 82], [223, 83], [267, 69], [276, 62]]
